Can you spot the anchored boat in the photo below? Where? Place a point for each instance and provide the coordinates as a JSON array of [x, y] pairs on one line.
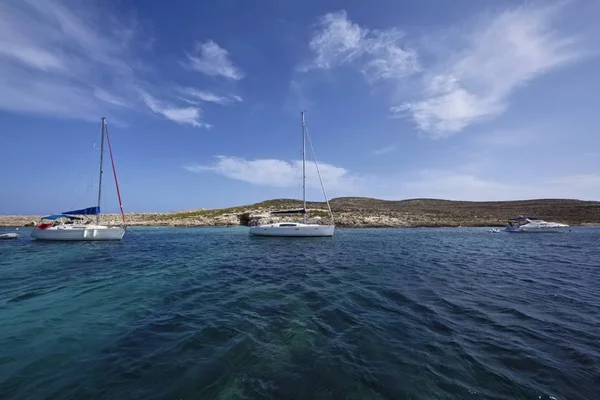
[[78, 224], [307, 228], [533, 225]]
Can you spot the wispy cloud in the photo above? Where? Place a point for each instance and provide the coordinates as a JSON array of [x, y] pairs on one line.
[[212, 60], [279, 173], [53, 62], [297, 97], [207, 96], [378, 54], [385, 150], [454, 185], [184, 115], [488, 61], [107, 97], [503, 53], [73, 61]]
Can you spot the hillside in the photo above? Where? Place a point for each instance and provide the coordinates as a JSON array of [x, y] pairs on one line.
[[367, 212]]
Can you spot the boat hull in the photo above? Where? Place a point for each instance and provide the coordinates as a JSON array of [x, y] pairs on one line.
[[298, 230], [524, 229], [96, 233]]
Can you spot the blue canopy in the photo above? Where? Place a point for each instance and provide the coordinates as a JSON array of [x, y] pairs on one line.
[[57, 216], [301, 211], [84, 211]]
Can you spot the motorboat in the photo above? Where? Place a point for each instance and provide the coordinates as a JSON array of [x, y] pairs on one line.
[[306, 228], [533, 225], [494, 230], [9, 236], [78, 224]]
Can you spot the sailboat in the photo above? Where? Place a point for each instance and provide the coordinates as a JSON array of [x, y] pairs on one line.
[[77, 224], [308, 228]]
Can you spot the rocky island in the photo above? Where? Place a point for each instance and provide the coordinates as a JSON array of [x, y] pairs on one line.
[[361, 212]]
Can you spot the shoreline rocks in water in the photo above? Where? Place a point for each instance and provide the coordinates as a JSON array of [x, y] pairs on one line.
[[361, 212]]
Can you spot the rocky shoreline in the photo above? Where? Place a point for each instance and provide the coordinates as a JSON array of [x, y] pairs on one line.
[[358, 212]]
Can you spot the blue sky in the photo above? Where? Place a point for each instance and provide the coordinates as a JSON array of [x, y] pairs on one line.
[[464, 100]]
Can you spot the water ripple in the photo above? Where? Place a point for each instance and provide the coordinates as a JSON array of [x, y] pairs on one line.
[[371, 314]]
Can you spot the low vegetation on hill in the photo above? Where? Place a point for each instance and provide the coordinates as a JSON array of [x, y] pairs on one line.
[[367, 212]]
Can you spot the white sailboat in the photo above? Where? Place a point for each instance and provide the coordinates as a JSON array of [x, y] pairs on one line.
[[295, 229], [76, 224]]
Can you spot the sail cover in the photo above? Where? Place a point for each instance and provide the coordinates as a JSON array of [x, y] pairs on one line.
[[57, 216], [84, 211], [301, 211]]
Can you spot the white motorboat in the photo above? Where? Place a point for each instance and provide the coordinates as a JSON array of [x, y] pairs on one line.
[[77, 224], [533, 225], [305, 228]]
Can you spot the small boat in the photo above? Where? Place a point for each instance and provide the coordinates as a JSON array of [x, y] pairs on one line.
[[494, 230], [77, 224], [306, 228], [533, 225], [8, 236]]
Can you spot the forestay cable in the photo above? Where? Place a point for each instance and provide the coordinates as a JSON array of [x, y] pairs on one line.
[[112, 160], [319, 173]]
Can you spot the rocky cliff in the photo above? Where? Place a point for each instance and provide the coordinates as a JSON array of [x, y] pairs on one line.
[[366, 212]]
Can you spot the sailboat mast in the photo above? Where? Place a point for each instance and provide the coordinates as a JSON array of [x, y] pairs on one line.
[[303, 168], [100, 179]]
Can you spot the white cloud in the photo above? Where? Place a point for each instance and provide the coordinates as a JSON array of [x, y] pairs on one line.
[[452, 184], [53, 62], [582, 186], [338, 40], [103, 95], [386, 59], [458, 185], [503, 53], [450, 112], [212, 60], [207, 96], [280, 173], [184, 115], [511, 138], [376, 53], [385, 150], [297, 98], [75, 61]]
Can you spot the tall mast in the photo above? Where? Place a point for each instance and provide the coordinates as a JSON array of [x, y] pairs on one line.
[[100, 179], [303, 167]]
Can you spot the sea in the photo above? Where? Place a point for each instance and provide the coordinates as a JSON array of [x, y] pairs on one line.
[[213, 313]]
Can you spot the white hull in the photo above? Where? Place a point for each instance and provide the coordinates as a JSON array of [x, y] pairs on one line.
[[293, 230], [85, 233], [537, 229]]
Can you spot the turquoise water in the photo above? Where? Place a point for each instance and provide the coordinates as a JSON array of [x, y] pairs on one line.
[[211, 313]]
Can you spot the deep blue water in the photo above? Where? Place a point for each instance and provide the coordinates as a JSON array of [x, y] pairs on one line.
[[211, 313]]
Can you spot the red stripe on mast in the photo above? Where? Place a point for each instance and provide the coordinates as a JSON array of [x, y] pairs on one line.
[[112, 160]]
